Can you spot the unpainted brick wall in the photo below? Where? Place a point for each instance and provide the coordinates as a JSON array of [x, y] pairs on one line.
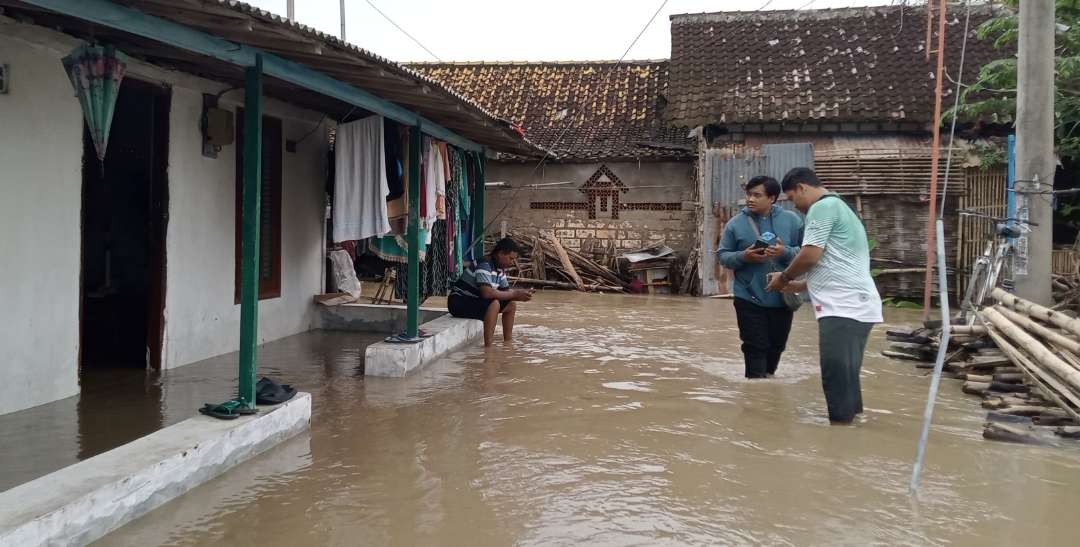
[[653, 186]]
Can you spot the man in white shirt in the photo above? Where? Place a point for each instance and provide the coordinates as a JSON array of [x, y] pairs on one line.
[[835, 257]]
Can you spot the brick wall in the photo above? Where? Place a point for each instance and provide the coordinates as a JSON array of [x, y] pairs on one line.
[[628, 205]]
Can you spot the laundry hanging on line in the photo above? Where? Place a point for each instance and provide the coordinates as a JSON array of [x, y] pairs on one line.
[[360, 185]]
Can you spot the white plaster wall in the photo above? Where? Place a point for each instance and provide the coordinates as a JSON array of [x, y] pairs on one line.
[[41, 128], [40, 203], [201, 320]]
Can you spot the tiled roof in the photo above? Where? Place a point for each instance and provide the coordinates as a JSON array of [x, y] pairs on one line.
[[578, 110], [837, 65]]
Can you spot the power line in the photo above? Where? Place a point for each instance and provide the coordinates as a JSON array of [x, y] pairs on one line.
[[403, 31], [570, 118]]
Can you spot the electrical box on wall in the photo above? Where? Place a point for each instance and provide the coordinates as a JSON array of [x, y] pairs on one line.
[[219, 127], [4, 78]]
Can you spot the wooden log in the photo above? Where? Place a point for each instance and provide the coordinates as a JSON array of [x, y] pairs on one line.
[[1036, 311], [975, 388], [1002, 387], [967, 329], [996, 402], [903, 355], [564, 258], [1008, 377], [1023, 410], [1009, 433], [1040, 331], [1068, 432], [981, 378], [537, 255], [561, 285], [1041, 356]]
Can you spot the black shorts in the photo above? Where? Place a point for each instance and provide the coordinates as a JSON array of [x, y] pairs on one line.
[[467, 307]]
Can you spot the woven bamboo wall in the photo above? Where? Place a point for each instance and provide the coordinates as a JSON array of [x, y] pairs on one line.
[[898, 224], [883, 172], [986, 194]]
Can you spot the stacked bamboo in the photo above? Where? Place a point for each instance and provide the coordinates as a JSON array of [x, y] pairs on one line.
[[545, 262], [1021, 358]]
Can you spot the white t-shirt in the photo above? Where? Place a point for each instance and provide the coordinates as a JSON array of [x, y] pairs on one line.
[[840, 284]]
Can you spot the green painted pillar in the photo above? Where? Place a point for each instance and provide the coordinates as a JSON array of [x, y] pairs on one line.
[[249, 260], [479, 200], [412, 326]]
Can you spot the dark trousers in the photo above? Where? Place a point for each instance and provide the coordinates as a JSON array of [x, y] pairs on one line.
[[842, 342], [764, 333]]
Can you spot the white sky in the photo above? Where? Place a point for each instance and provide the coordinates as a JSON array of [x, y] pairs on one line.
[[518, 30]]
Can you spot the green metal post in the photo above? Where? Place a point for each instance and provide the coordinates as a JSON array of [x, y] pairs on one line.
[[412, 326], [249, 260], [479, 190]]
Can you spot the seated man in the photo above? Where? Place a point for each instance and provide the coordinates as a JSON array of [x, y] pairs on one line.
[[483, 293]]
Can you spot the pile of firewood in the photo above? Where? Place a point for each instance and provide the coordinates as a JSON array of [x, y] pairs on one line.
[[544, 262], [1021, 358], [1066, 292]]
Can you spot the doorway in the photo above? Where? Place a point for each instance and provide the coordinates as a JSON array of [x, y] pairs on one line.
[[124, 222]]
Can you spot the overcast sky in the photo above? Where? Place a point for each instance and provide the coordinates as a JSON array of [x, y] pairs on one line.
[[518, 30]]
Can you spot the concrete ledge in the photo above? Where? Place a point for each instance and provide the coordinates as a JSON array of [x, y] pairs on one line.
[[83, 502], [397, 360], [389, 319]]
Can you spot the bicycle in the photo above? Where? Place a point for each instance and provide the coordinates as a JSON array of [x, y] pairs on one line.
[[987, 269]]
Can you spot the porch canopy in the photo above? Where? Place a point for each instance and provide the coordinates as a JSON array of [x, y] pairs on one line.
[[235, 43]]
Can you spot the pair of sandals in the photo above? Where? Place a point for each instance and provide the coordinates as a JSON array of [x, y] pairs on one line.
[[267, 392]]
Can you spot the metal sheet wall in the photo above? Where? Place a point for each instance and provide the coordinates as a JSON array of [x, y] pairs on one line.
[[725, 177]]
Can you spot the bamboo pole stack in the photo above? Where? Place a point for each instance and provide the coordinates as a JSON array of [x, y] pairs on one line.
[[1021, 358]]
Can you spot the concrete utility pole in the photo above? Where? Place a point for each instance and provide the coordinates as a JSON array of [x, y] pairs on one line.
[[1035, 163], [342, 20], [290, 9]]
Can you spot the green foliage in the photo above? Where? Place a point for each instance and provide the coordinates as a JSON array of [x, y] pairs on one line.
[[900, 303], [990, 154], [993, 95]]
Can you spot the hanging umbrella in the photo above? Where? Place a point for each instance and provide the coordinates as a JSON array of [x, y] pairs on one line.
[[96, 73]]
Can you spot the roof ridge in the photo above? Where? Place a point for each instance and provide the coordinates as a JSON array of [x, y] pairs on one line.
[[537, 63], [818, 13]]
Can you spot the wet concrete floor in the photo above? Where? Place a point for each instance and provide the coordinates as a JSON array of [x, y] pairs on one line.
[[612, 420]]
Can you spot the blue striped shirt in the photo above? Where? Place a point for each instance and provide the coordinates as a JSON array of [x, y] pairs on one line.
[[477, 275]]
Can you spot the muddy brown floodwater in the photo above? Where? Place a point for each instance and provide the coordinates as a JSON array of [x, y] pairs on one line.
[[619, 420]]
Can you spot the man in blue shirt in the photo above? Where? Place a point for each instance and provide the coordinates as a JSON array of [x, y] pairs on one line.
[[764, 319], [483, 292]]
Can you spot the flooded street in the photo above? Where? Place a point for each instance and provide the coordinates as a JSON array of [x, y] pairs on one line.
[[618, 420]]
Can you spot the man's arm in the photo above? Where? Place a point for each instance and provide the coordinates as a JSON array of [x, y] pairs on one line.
[[488, 292]]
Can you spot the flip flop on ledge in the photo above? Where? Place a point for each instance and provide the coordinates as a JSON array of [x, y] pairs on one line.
[[229, 410]]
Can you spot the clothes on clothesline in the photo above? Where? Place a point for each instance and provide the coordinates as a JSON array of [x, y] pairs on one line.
[[360, 186]]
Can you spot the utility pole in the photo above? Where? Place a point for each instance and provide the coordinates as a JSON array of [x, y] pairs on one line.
[[1035, 163], [342, 20], [290, 10]]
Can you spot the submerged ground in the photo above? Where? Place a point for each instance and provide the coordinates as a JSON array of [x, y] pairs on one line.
[[612, 420]]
